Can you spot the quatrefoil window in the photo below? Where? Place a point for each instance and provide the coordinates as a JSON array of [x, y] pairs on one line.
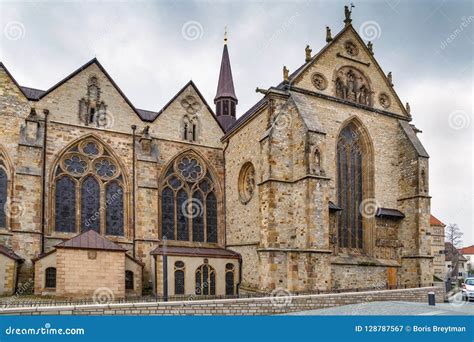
[[190, 169], [105, 168]]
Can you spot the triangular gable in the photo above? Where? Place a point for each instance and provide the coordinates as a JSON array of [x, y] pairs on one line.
[[2, 66], [84, 67], [294, 77], [195, 88]]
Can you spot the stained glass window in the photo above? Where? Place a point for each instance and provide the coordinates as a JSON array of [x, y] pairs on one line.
[[65, 204], [211, 217], [84, 187], [189, 202], [3, 196], [182, 217], [50, 278], [229, 280], [349, 159], [90, 204], [114, 209], [167, 213]]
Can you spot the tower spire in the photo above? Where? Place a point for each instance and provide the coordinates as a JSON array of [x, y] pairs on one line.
[[225, 100]]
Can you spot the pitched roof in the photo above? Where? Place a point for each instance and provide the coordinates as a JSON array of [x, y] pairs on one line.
[[411, 135], [435, 222], [2, 66], [225, 86], [195, 251], [90, 240], [32, 93], [468, 250], [10, 253]]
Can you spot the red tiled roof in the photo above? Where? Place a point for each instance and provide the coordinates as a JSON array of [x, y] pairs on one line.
[[90, 240], [467, 250], [435, 222], [196, 251], [9, 253]]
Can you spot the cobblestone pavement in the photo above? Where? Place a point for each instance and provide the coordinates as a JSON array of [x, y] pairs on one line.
[[394, 308]]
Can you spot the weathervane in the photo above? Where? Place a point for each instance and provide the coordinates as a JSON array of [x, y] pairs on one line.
[[225, 35]]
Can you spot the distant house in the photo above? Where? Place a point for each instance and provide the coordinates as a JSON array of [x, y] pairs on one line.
[[468, 253], [437, 247], [456, 264]]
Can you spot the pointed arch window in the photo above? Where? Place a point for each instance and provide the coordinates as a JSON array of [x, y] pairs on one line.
[[3, 194], [189, 202], [205, 280], [88, 191], [229, 279], [50, 278], [350, 188], [179, 278]]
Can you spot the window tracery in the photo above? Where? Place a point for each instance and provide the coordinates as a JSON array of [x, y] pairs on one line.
[[88, 191]]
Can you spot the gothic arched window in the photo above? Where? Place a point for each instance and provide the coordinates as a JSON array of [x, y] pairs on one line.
[[229, 279], [3, 195], [129, 284], [179, 278], [350, 187], [189, 202], [205, 280], [88, 190]]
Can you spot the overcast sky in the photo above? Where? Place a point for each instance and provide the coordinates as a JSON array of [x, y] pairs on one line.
[[152, 49]]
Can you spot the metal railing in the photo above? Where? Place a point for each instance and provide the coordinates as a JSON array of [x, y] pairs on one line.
[[16, 301]]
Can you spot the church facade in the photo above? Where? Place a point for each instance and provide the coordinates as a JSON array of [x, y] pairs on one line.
[[323, 184]]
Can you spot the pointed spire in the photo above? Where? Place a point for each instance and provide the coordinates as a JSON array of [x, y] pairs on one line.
[[225, 99]]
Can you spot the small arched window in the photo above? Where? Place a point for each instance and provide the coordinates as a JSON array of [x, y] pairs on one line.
[[50, 278], [129, 280], [179, 278], [229, 279], [205, 280]]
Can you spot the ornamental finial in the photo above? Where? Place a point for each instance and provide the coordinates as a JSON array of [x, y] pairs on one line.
[[328, 34], [308, 53], [286, 77], [347, 14], [225, 35]]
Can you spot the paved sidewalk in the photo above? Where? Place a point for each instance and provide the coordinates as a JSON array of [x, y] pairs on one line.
[[393, 308]]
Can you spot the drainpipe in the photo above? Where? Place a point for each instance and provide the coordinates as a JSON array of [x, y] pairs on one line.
[[165, 277], [134, 127], [224, 196], [43, 179]]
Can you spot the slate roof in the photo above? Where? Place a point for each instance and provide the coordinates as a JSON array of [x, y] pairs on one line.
[[225, 86], [410, 133], [32, 93], [196, 251], [90, 240], [10, 253], [389, 213]]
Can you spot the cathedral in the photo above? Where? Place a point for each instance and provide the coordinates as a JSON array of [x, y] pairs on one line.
[[321, 185]]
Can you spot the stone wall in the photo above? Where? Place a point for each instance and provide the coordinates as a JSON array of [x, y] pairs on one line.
[[252, 307]]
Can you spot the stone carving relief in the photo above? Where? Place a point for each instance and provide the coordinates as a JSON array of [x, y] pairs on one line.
[[91, 109], [352, 85], [319, 81], [384, 100], [351, 48]]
